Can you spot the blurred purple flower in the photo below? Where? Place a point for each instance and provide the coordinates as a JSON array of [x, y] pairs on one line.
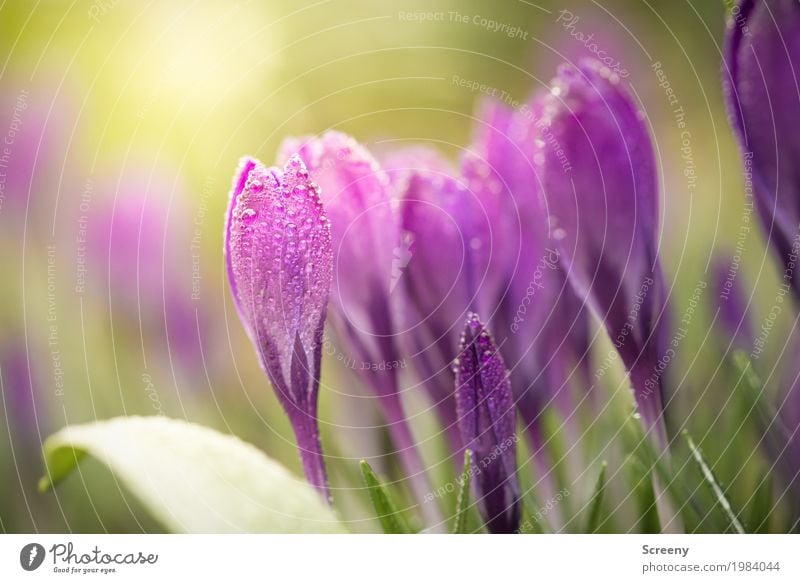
[[487, 423], [601, 195], [20, 399], [483, 235], [357, 196], [760, 80], [730, 300], [137, 241], [34, 123], [279, 260]]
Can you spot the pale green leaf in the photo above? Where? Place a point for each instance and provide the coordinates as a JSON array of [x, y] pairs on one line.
[[191, 478], [596, 508]]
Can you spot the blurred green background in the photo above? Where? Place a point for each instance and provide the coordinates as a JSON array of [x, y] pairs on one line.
[[127, 120]]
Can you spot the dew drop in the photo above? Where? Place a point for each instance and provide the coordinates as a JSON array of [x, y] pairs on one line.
[[248, 216]]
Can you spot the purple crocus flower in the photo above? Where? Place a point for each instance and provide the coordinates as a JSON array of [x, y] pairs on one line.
[[280, 265], [540, 323], [447, 231], [481, 232], [601, 195], [761, 86], [357, 196], [486, 420]]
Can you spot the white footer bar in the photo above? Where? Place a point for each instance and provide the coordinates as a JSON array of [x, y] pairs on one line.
[[402, 559]]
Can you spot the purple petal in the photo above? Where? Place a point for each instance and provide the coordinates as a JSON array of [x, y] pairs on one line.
[[486, 420], [763, 98], [356, 194], [400, 165], [600, 191], [280, 265], [447, 233], [246, 166]]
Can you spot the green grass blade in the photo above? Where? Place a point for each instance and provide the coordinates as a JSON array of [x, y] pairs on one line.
[[641, 480], [462, 503], [712, 482], [767, 418], [679, 490], [385, 510], [556, 446], [596, 508], [761, 507]]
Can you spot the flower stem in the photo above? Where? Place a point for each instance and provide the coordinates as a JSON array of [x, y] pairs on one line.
[[306, 432]]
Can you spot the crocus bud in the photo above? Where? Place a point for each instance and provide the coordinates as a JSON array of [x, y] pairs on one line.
[[280, 264], [600, 192], [487, 424], [760, 79]]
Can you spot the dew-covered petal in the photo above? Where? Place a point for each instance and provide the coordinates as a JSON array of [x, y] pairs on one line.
[[446, 233], [356, 194], [486, 420], [246, 165], [280, 264]]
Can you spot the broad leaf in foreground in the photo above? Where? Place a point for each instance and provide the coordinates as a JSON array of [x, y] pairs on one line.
[[191, 478]]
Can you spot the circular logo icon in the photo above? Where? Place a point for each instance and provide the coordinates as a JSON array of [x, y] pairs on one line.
[[31, 556]]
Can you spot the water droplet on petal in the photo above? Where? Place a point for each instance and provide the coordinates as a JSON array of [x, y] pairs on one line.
[[248, 215]]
